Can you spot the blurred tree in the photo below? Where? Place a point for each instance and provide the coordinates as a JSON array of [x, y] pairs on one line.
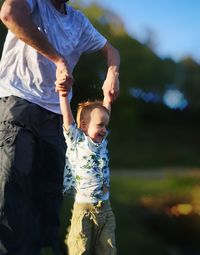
[[140, 66], [191, 72]]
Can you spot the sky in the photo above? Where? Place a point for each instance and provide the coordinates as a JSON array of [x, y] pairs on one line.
[[174, 24]]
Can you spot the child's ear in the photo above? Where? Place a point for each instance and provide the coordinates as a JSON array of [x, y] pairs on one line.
[[83, 125]]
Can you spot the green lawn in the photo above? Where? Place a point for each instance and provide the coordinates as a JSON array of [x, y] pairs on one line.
[[133, 238]]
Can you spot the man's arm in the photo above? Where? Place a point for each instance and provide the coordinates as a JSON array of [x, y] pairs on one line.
[[111, 83], [15, 14]]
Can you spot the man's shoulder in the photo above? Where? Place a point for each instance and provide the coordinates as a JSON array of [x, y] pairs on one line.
[[78, 14], [75, 11]]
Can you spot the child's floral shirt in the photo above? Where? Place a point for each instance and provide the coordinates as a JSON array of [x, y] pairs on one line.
[[86, 169]]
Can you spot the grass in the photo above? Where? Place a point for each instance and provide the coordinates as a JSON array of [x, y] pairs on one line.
[[126, 194], [132, 236]]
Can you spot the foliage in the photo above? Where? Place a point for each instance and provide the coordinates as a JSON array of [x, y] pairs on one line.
[[140, 66], [191, 72]]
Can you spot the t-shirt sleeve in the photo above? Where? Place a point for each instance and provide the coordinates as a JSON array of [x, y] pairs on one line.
[[91, 39], [31, 4], [71, 134]]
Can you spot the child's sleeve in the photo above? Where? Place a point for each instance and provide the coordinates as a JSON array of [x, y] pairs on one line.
[[71, 134]]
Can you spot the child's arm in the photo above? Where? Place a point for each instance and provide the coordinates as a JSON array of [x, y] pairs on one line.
[[68, 118], [107, 104]]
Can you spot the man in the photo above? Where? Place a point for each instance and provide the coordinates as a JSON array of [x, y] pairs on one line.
[[45, 40]]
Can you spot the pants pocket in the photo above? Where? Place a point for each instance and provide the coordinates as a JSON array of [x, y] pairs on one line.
[[8, 134]]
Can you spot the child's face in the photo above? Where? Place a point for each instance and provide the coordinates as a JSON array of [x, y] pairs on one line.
[[96, 128]]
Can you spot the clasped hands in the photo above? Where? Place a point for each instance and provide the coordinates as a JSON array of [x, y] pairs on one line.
[[65, 80]]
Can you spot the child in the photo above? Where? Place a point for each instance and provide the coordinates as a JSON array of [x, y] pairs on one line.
[[93, 223]]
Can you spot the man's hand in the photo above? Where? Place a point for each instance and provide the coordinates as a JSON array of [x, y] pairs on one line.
[[111, 86], [64, 78]]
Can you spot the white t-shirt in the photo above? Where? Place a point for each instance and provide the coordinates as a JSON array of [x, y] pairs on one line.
[[29, 75], [87, 166]]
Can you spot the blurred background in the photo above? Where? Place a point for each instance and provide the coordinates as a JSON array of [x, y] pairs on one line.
[[154, 139]]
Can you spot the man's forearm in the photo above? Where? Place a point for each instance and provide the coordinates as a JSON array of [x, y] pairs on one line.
[[16, 17], [112, 57], [111, 83]]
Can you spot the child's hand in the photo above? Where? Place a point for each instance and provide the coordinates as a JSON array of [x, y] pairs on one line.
[[63, 75], [63, 83], [61, 88]]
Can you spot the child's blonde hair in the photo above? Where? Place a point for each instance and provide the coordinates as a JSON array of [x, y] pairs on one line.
[[85, 108]]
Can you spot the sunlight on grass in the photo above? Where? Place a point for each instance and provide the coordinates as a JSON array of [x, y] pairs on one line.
[[126, 196]]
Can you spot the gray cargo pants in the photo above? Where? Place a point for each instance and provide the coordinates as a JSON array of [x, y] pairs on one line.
[[32, 155]]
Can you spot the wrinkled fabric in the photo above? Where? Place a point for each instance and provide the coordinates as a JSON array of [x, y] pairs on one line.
[[92, 230], [32, 150], [26, 73]]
